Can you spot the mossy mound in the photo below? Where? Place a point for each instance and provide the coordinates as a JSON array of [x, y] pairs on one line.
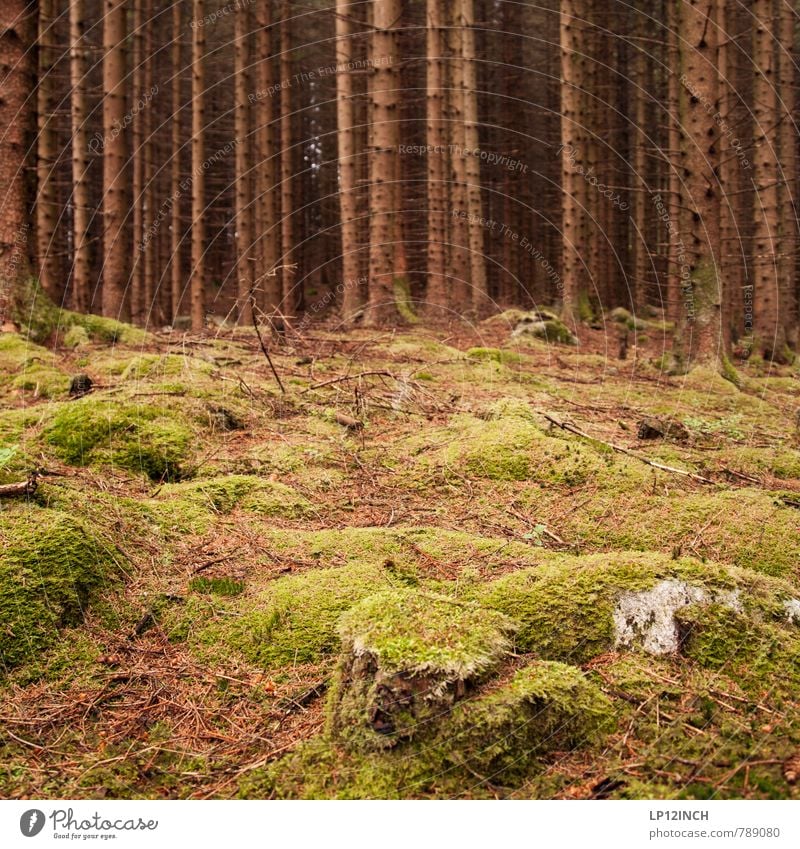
[[30, 368], [293, 620], [190, 506], [573, 610], [154, 367], [746, 527], [511, 447], [140, 438], [621, 316], [406, 657], [50, 566], [494, 355], [551, 330], [497, 736]]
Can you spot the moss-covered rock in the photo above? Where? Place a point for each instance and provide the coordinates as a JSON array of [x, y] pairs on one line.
[[190, 506], [138, 437], [552, 330], [30, 368], [579, 607], [497, 736], [495, 355], [50, 566], [407, 656], [293, 620], [511, 447]]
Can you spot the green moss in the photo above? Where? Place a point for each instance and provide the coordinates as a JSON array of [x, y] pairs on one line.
[[729, 372], [584, 309], [139, 438], [50, 567], [746, 527], [496, 737], [190, 506], [512, 448], [104, 329], [623, 317], [550, 330], [217, 586], [76, 337], [494, 355], [293, 620], [565, 608], [403, 300]]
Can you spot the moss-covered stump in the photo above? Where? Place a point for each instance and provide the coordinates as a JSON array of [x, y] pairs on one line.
[[580, 607], [50, 565], [407, 656], [141, 438], [497, 736]]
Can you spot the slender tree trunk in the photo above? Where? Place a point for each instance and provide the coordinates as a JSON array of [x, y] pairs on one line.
[[770, 337], [787, 81], [436, 295], [16, 83], [151, 305], [458, 256], [176, 224], [702, 330], [47, 153], [116, 188], [267, 231], [676, 147], [641, 197], [81, 267], [198, 172], [477, 259], [288, 294], [571, 180], [243, 228], [138, 306], [730, 264], [381, 304], [348, 209]]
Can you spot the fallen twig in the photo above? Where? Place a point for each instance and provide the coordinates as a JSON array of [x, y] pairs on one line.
[[23, 489], [622, 450]]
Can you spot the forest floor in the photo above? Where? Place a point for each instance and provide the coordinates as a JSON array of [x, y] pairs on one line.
[[401, 576]]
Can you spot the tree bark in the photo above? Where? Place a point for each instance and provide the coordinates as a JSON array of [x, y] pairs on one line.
[[787, 81], [81, 197], [288, 294], [116, 183], [267, 229], [702, 327], [348, 204], [383, 116], [243, 223], [16, 81], [176, 223], [47, 210], [437, 296], [198, 171]]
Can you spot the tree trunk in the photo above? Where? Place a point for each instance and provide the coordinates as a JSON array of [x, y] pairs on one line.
[[243, 228], [151, 311], [288, 294], [138, 306], [571, 154], [116, 194], [436, 295], [15, 116], [702, 326], [477, 259], [176, 223], [770, 338], [81, 266], [267, 229], [47, 154], [348, 204], [788, 153], [383, 116], [458, 256], [198, 172]]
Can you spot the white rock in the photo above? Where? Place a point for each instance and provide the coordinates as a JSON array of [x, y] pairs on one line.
[[649, 616], [792, 608]]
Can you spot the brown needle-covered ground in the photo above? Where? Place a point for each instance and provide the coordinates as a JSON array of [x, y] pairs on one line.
[[173, 592]]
